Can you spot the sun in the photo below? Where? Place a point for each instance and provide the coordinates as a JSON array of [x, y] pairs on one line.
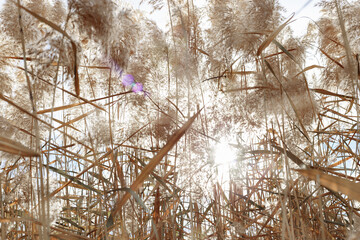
[[225, 155]]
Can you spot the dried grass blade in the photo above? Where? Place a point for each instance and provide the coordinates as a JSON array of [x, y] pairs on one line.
[[279, 53], [78, 104], [307, 69], [284, 50], [339, 114], [290, 155], [74, 179], [250, 201], [149, 168], [76, 119], [272, 36], [72, 223], [10, 146], [135, 196], [176, 107], [157, 177], [260, 151], [120, 174], [64, 90], [100, 177], [337, 184], [57, 148], [265, 32], [63, 123], [250, 88], [243, 72], [59, 108], [340, 162], [332, 59], [326, 92], [334, 118], [202, 51]]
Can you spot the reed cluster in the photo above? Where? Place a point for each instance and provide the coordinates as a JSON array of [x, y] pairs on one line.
[[109, 125]]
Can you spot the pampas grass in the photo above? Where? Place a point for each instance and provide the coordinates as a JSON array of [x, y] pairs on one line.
[[84, 156]]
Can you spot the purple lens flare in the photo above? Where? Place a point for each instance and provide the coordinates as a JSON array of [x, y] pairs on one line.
[[137, 87], [128, 80]]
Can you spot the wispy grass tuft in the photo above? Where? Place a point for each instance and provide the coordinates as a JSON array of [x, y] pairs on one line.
[[103, 137]]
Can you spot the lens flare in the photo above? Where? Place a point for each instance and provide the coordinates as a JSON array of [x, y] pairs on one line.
[[224, 156], [128, 80], [137, 87]]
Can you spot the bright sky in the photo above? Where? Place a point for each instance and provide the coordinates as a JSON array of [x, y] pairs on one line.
[[306, 8], [302, 8]]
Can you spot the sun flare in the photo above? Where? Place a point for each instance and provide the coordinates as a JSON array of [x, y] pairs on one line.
[[225, 155]]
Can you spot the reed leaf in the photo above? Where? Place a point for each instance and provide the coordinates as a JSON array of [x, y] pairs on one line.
[[272, 36], [337, 184], [12, 147]]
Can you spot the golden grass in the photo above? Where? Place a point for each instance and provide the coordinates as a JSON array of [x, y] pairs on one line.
[[84, 157]]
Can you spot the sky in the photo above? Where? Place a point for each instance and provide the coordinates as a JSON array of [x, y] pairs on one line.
[[304, 9]]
